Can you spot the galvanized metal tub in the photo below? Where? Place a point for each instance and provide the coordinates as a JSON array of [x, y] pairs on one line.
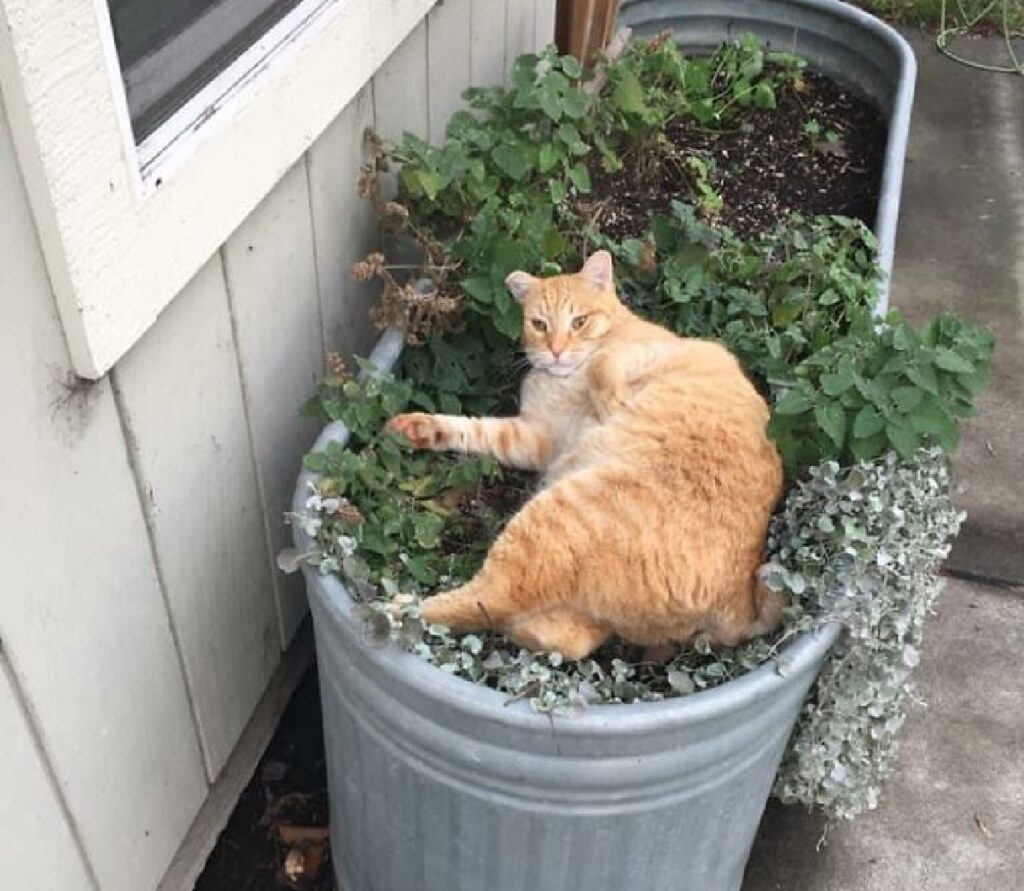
[[437, 784], [841, 41]]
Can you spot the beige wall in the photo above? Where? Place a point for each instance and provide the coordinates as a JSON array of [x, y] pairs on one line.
[[141, 616]]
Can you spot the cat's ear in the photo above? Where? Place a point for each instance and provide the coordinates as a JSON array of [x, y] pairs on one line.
[[519, 284], [598, 270]]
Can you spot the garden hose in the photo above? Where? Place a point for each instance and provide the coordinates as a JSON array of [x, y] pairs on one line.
[[967, 23]]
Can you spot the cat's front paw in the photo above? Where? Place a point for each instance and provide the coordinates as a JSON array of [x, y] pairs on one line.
[[607, 386], [606, 403], [422, 430]]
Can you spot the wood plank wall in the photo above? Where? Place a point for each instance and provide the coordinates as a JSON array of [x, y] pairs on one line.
[[141, 615]]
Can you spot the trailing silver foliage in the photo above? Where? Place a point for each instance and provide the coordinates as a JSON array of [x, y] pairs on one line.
[[863, 546]]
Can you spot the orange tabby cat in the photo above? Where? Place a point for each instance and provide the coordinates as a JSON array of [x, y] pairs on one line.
[[659, 482]]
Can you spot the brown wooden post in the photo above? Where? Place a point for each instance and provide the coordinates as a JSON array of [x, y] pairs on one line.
[[584, 27]]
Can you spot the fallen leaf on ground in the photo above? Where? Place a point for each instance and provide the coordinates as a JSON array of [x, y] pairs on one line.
[[294, 865]]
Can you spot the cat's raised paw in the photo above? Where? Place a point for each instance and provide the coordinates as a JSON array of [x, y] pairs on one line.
[[422, 430], [606, 404]]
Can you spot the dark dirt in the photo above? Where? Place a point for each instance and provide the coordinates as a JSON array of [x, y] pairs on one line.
[[288, 793], [484, 512], [764, 167]]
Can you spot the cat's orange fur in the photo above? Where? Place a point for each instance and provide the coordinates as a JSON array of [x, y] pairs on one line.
[[659, 482]]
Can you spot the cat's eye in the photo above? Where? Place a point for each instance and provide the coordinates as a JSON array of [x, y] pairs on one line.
[[539, 325], [579, 322]]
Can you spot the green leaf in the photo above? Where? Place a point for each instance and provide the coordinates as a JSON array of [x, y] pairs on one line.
[[795, 402], [421, 181], [704, 111], [509, 321], [903, 438], [974, 381], [580, 177], [550, 102], [869, 446], [629, 94], [480, 288], [574, 104], [557, 190], [513, 159], [430, 182], [572, 67], [570, 136], [428, 528], [906, 397], [548, 158], [832, 419], [947, 360], [868, 422], [449, 403], [785, 313], [895, 365], [902, 338], [554, 242], [838, 383], [315, 461], [930, 419], [764, 95], [421, 571]]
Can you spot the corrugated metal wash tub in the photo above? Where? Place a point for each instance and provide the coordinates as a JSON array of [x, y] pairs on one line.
[[438, 785]]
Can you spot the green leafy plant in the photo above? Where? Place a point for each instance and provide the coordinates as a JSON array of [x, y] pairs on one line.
[[827, 142], [654, 84], [774, 299], [385, 517], [878, 390]]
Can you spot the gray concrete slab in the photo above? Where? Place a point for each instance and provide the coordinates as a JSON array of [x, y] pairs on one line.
[[951, 817], [961, 247]]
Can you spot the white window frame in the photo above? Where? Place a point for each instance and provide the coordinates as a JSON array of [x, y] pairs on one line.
[[124, 227]]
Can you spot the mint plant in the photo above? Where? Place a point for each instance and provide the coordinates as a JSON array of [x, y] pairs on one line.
[[874, 391]]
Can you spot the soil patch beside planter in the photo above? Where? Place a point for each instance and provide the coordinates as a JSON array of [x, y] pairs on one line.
[[818, 152], [288, 788]]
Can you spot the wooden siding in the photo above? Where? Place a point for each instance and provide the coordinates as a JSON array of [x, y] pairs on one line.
[[31, 810], [82, 618], [185, 418], [271, 278], [141, 615]]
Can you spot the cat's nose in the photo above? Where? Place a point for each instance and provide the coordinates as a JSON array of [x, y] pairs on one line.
[[557, 351]]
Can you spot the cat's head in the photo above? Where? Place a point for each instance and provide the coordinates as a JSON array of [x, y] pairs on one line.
[[566, 316]]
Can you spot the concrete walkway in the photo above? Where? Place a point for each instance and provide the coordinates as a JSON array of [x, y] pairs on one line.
[[952, 815]]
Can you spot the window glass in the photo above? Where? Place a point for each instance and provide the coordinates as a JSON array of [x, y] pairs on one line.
[[170, 49]]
